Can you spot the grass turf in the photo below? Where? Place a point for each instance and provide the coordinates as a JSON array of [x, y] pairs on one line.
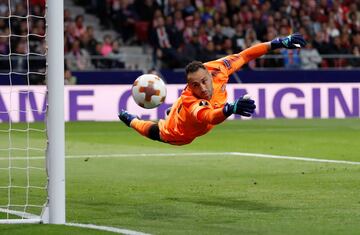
[[215, 194]]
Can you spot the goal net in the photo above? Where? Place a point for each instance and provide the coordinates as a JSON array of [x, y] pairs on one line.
[[25, 120]]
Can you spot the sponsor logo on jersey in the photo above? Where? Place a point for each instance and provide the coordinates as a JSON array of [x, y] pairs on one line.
[[227, 63]]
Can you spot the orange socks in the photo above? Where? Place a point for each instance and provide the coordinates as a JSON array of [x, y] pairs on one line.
[[141, 126]]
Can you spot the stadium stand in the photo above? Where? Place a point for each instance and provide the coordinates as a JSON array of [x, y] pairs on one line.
[[136, 34], [181, 31]]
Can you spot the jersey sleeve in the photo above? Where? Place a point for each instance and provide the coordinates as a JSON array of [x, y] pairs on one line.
[[194, 105], [198, 106], [231, 63], [211, 116]]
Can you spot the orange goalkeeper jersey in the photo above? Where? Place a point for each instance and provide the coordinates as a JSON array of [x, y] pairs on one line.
[[182, 125]]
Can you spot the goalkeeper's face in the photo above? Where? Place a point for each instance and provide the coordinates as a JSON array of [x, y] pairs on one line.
[[200, 83]]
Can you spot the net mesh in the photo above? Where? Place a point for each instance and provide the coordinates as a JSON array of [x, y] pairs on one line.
[[23, 106]]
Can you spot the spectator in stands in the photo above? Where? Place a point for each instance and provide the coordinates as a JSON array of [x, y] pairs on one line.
[[88, 41], [169, 7], [106, 47], [322, 45], [4, 8], [20, 9], [79, 26], [238, 40], [251, 37], [19, 63], [245, 14], [179, 20], [233, 7], [345, 40], [217, 18], [163, 46], [227, 30], [23, 28], [355, 61], [97, 58], [77, 58], [188, 8], [197, 19], [117, 59], [206, 8], [273, 62], [37, 63], [191, 49], [354, 21], [103, 11], [332, 30], [124, 17], [202, 36], [69, 36], [37, 9], [258, 25], [309, 26], [310, 57], [210, 27], [336, 48], [67, 17], [221, 7], [218, 38], [227, 47], [189, 30], [4, 46], [208, 53], [39, 27], [175, 34], [353, 16], [4, 25], [157, 14], [356, 39], [291, 59], [69, 79], [321, 22], [146, 9]]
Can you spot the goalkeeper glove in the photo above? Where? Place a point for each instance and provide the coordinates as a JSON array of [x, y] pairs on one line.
[[292, 41], [243, 106]]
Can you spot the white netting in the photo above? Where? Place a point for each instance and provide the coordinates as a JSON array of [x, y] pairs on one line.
[[23, 105]]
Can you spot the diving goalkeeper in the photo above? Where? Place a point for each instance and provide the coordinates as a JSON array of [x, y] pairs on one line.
[[203, 102]]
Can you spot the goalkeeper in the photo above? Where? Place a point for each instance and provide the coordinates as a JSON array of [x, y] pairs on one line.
[[203, 102]]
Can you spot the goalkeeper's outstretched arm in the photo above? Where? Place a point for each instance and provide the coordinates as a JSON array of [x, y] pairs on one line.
[[243, 106], [236, 61]]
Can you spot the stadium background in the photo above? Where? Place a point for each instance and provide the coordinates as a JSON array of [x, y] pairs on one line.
[[120, 39], [201, 188]]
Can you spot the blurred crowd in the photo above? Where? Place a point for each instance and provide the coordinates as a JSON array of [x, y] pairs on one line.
[[15, 27], [180, 31], [183, 30], [83, 51]]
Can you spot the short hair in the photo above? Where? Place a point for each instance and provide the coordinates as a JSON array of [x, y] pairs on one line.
[[193, 67]]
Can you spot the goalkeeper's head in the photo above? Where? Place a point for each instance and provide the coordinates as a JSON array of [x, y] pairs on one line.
[[199, 80]]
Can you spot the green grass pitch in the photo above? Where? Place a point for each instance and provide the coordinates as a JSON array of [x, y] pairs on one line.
[[209, 194]]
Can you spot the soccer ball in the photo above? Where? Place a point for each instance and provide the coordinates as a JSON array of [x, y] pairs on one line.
[[149, 91]]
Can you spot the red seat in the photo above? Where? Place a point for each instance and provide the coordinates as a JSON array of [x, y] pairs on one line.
[[142, 31]]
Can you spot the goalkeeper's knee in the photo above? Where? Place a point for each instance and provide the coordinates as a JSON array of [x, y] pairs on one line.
[[154, 132]]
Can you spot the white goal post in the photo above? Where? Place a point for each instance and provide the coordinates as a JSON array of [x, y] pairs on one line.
[[55, 125], [51, 203]]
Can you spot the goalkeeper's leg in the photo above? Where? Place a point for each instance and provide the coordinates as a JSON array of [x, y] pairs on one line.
[[149, 129]]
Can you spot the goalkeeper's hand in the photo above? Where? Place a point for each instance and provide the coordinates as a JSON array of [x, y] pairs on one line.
[[292, 41], [243, 106]]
